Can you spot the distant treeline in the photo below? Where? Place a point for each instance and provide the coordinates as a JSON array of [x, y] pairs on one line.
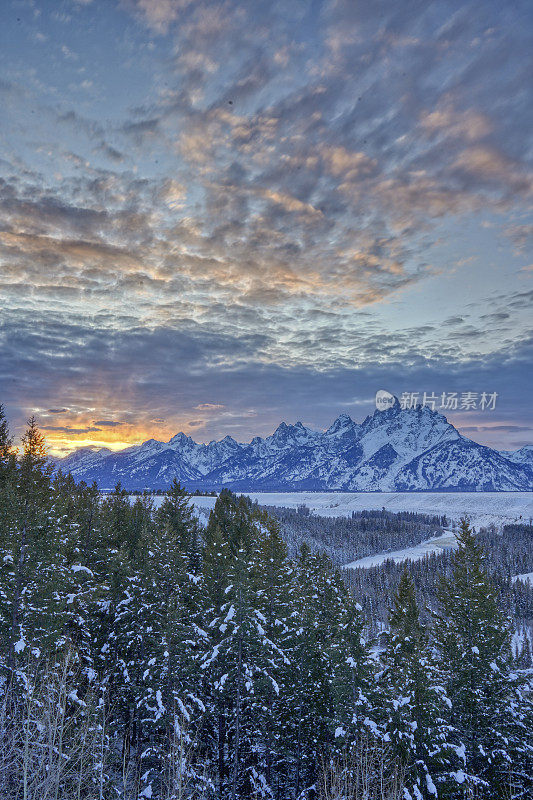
[[508, 553], [364, 533], [162, 492]]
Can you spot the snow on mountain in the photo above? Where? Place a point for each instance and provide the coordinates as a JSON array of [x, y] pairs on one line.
[[463, 465], [391, 450], [522, 456]]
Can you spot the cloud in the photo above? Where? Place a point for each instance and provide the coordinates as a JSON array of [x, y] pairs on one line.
[[467, 125], [107, 423], [521, 236], [136, 373], [491, 428], [280, 201], [157, 14], [68, 430], [173, 193], [493, 168]]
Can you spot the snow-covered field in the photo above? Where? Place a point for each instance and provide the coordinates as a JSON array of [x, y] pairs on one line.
[[525, 577], [434, 545], [483, 508]]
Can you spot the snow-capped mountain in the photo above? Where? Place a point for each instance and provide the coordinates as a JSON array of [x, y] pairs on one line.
[[522, 456], [392, 450]]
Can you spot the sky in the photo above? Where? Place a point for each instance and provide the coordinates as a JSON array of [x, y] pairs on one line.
[[215, 216]]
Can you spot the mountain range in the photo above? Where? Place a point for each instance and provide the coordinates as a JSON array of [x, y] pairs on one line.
[[391, 450]]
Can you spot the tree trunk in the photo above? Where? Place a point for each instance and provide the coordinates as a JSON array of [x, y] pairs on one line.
[[15, 619], [221, 748], [237, 723]]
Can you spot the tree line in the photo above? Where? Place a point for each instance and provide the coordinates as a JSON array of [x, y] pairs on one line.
[[142, 656], [363, 533], [510, 554]]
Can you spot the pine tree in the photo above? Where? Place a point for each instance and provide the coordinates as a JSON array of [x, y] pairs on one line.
[[243, 659], [328, 672], [216, 558], [7, 451], [132, 632], [175, 586], [33, 563], [9, 507], [274, 578], [417, 707], [177, 515], [473, 639]]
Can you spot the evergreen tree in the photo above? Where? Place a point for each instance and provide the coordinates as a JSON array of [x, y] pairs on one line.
[[274, 577], [177, 515], [330, 675], [417, 710], [473, 639], [241, 661], [33, 562], [7, 451], [176, 589]]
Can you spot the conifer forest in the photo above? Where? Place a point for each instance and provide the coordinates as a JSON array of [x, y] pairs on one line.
[[146, 656]]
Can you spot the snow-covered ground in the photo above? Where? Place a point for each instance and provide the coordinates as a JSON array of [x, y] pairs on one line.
[[434, 545], [525, 577], [483, 508]]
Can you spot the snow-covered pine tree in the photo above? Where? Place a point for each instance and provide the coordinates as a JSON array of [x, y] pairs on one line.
[[76, 507], [176, 516], [357, 691], [473, 639], [417, 709], [216, 557], [9, 504], [241, 661], [33, 563], [327, 664], [273, 577], [122, 628], [176, 582]]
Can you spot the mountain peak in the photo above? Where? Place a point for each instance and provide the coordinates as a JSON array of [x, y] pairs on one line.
[[344, 417], [180, 438], [284, 431], [392, 450], [342, 423]]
